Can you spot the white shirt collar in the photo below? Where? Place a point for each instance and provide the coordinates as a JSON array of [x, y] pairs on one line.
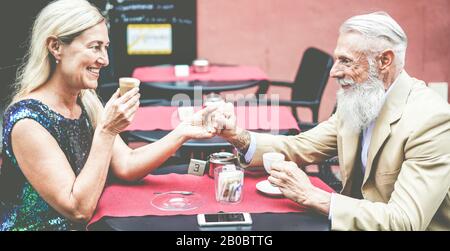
[[367, 133]]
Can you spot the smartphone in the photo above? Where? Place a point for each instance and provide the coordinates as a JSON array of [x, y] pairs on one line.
[[224, 219]]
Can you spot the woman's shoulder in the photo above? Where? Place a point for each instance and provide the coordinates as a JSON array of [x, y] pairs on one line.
[[25, 108]]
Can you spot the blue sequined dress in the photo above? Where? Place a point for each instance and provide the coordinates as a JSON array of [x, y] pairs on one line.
[[22, 208]]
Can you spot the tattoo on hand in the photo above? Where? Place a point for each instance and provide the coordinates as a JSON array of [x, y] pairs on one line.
[[241, 141]]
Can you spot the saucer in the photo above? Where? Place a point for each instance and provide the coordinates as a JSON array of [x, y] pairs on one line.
[[177, 201], [265, 187]]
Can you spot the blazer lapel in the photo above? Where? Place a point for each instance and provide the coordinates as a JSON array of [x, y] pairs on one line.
[[349, 150], [390, 113]]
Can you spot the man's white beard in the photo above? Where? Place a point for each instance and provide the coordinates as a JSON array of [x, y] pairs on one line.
[[360, 104]]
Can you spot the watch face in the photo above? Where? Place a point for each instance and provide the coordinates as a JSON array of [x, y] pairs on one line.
[[241, 158]]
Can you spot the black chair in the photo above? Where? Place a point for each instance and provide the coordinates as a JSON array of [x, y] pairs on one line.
[[309, 84], [326, 173]]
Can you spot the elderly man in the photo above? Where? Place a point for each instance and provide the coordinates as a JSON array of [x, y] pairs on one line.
[[391, 133]]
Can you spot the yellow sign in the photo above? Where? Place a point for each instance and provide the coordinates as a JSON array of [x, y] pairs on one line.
[[149, 39]]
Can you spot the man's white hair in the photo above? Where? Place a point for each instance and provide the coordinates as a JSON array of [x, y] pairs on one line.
[[381, 32]]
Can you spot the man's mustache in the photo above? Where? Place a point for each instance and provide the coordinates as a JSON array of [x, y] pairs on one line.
[[343, 82]]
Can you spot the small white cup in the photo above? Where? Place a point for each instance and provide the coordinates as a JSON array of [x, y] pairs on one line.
[[200, 65], [182, 70], [270, 158], [213, 99]]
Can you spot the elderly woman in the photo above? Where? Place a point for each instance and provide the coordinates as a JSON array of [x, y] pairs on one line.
[[60, 143]]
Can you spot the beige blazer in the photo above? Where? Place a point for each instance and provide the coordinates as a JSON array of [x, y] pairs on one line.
[[407, 179]]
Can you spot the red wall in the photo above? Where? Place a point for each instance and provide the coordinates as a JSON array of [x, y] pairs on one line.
[[273, 34]]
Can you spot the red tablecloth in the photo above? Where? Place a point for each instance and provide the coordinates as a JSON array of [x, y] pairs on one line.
[[123, 200], [248, 117], [216, 73]]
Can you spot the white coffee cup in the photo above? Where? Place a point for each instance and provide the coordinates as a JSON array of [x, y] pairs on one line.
[[213, 99], [270, 158], [200, 65]]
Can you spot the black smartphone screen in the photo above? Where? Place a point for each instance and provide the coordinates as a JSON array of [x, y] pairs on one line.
[[224, 217]]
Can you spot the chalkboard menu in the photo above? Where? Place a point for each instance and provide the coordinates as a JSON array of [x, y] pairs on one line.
[[151, 32]]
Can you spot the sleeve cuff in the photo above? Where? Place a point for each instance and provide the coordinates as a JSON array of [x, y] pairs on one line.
[[330, 215], [251, 149]]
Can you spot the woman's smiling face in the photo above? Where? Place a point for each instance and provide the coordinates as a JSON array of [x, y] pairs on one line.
[[82, 59]]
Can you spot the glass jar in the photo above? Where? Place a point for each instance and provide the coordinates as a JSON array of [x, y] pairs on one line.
[[229, 184]]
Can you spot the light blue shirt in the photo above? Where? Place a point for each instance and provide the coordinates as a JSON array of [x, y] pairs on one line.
[[367, 136], [251, 148]]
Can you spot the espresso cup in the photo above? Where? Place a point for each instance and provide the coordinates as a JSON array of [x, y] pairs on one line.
[[126, 84], [270, 158], [200, 65]]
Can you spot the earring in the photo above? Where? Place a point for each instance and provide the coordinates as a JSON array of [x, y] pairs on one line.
[[57, 61]]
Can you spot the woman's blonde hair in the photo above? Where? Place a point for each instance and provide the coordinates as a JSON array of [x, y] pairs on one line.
[[64, 19]]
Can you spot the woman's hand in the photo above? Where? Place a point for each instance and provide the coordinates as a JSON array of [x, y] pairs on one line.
[[199, 126], [120, 111]]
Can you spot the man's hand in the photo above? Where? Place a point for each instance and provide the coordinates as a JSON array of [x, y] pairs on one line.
[[291, 180], [224, 122], [296, 186]]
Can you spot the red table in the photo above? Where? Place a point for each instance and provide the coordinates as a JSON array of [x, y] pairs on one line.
[[216, 73], [123, 200], [162, 80], [248, 117]]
